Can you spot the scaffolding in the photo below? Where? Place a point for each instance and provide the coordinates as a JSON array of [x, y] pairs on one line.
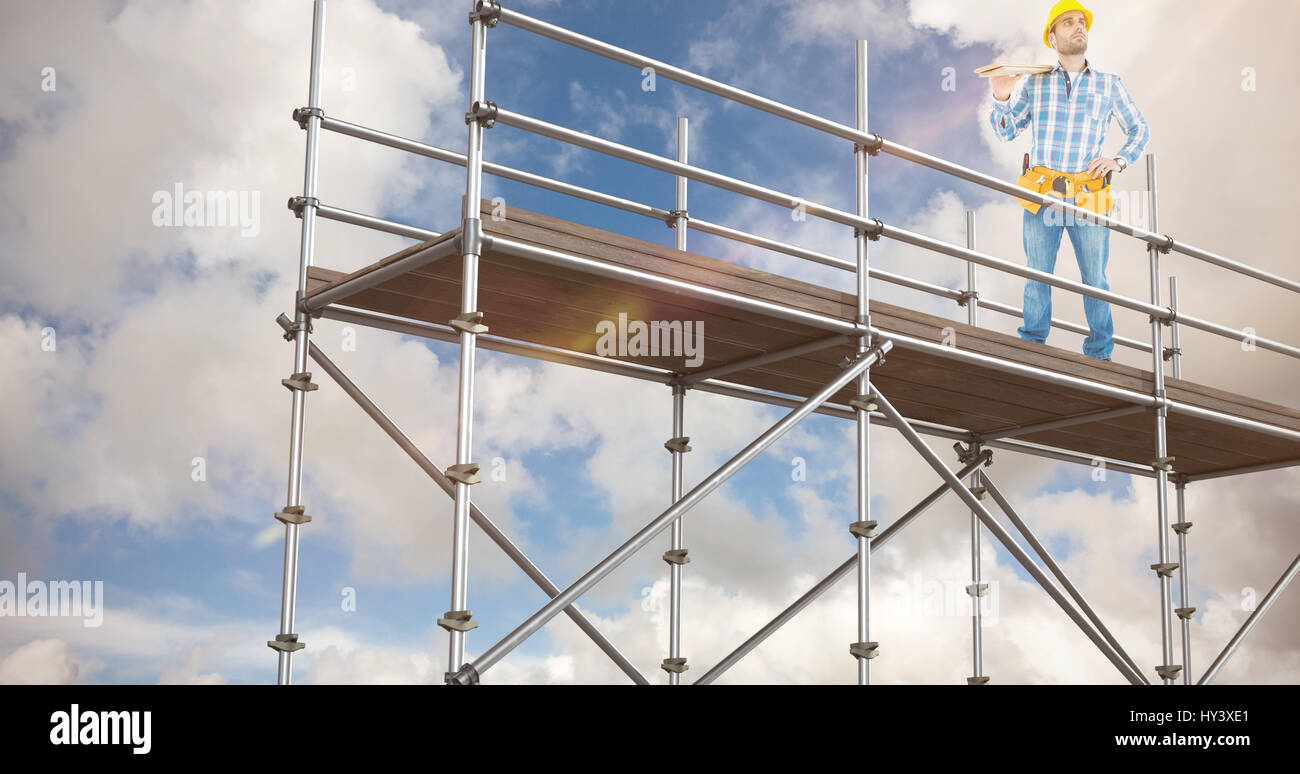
[[356, 298]]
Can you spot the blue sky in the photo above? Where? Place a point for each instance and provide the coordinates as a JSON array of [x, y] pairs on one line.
[[172, 354]]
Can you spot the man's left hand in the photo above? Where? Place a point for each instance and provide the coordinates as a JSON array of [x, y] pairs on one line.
[[1098, 167]]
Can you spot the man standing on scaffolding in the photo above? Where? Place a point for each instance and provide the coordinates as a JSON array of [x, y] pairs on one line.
[[1070, 108]]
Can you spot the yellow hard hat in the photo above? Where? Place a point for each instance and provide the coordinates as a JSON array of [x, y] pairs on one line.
[[1062, 7]]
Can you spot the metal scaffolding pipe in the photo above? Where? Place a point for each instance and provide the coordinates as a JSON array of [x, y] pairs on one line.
[[1001, 534], [498, 170], [489, 528], [470, 672], [1167, 666], [376, 224], [662, 376], [532, 252], [875, 141], [736, 185], [1185, 610], [655, 161], [1060, 575], [457, 620], [1064, 325], [862, 429], [830, 580], [286, 642], [449, 245], [977, 617], [1054, 424], [1251, 622], [676, 663], [765, 358]]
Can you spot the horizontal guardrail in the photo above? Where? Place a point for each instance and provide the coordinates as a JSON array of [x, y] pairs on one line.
[[874, 142]]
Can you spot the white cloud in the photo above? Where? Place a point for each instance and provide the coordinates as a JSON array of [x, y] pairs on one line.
[[145, 380], [42, 662]]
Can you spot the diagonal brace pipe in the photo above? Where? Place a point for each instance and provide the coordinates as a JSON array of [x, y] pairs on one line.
[[1002, 535], [1254, 618], [836, 575], [493, 532], [1069, 587], [469, 673]]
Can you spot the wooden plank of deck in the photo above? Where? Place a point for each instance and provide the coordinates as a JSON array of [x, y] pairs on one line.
[[560, 307]]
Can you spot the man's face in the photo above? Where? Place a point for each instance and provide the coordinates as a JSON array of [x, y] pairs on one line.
[[1069, 35]]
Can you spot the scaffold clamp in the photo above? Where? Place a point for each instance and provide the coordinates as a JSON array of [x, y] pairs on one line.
[[873, 233], [457, 620], [864, 649], [286, 643], [978, 491], [1169, 671], [674, 665], [681, 444], [981, 680], [864, 529], [1181, 527], [1171, 351], [676, 556], [467, 675], [300, 115], [300, 381], [872, 148], [483, 112], [671, 219], [1165, 569], [487, 10], [966, 296], [977, 589], [291, 331], [1163, 463], [1167, 246], [865, 402], [296, 203], [293, 514], [1185, 613], [468, 322], [968, 454], [1164, 319], [464, 472]]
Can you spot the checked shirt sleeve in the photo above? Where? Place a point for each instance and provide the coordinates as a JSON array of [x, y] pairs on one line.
[[1131, 121], [1009, 118]]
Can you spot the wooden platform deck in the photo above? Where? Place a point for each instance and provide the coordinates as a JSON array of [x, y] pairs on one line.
[[561, 307]]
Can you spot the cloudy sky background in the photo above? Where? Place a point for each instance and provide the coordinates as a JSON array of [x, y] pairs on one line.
[[167, 348]]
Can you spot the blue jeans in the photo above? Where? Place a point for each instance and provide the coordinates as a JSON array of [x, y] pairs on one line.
[[1042, 232]]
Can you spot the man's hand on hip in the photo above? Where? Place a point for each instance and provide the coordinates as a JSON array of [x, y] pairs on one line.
[[1098, 167]]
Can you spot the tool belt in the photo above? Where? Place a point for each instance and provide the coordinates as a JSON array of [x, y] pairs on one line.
[[1092, 194]]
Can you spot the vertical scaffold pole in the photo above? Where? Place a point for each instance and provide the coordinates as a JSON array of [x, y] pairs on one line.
[[1186, 611], [1176, 353], [864, 528], [676, 556], [1163, 463], [294, 515], [459, 619], [977, 588]]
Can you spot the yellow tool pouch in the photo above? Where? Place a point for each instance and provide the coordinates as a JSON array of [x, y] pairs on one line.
[[1038, 181], [1094, 196], [1090, 194]]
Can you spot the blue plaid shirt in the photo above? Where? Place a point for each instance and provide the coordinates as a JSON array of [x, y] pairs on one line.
[[1071, 113]]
